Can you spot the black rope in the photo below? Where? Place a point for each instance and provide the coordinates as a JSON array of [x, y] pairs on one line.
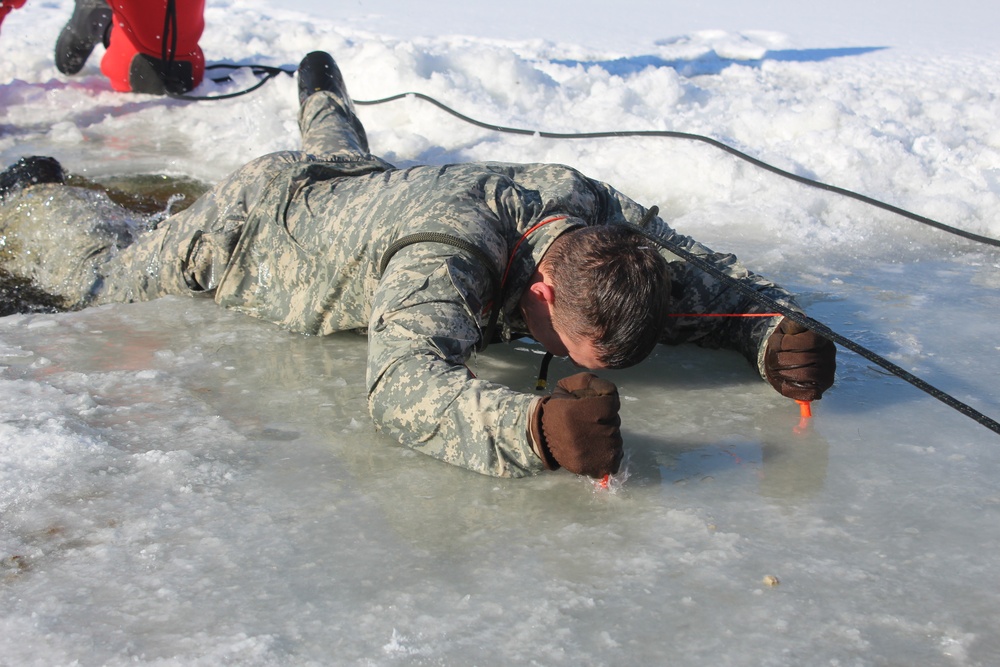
[[168, 46], [263, 72], [543, 372], [270, 72], [694, 137]]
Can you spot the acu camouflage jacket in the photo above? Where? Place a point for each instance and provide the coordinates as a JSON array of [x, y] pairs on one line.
[[415, 256]]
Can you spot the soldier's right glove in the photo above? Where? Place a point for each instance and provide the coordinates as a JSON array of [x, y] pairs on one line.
[[798, 362], [578, 426]]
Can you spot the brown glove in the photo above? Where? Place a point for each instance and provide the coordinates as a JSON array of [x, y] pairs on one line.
[[798, 362], [577, 427]]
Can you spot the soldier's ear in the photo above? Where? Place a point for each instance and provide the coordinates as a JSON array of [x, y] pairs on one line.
[[543, 292]]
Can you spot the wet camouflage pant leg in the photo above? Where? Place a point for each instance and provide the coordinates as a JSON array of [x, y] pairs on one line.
[[188, 252], [55, 237], [330, 127]]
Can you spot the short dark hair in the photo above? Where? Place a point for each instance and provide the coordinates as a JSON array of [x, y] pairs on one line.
[[612, 287]]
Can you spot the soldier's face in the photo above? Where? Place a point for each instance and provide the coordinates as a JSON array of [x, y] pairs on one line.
[[581, 352], [584, 354], [537, 304]]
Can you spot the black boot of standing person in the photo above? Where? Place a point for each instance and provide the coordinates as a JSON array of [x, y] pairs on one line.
[[90, 24]]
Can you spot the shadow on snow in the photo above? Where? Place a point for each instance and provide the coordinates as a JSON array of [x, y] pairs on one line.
[[712, 63]]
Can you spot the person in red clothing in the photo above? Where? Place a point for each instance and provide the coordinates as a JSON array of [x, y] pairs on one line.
[[152, 45]]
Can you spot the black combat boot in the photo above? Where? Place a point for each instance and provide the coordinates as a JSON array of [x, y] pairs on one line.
[[90, 24], [30, 171], [155, 76], [317, 72]]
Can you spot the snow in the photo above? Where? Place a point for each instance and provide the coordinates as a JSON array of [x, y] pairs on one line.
[[180, 485]]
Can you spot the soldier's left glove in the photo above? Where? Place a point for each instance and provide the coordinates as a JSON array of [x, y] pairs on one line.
[[798, 362], [578, 426]]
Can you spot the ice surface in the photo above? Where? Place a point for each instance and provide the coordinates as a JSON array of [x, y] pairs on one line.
[[181, 485]]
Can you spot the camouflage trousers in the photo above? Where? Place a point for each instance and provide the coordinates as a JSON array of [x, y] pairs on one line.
[[187, 253]]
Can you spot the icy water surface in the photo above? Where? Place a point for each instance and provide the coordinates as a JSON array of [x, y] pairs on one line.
[[207, 480]]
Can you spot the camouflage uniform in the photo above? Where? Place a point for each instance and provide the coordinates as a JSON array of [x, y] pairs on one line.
[[331, 239]]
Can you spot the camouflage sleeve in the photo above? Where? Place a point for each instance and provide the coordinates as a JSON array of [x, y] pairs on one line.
[[425, 322], [695, 292]]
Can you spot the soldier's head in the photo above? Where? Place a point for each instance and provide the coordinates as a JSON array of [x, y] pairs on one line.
[[600, 296]]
